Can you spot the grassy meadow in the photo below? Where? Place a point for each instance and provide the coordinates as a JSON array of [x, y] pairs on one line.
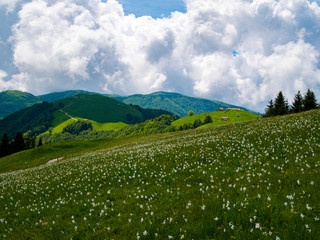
[[233, 116], [249, 180], [95, 126]]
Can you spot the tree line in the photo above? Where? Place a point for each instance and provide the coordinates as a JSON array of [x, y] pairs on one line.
[[19, 143], [280, 105]]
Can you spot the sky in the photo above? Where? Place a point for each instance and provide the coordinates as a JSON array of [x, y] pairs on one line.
[[241, 52]]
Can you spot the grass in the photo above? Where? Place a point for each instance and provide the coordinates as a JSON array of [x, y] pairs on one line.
[[233, 115], [95, 125], [41, 155], [108, 126], [58, 118], [98, 108], [251, 180]]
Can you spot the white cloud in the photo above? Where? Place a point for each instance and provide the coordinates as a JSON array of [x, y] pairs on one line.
[[17, 82], [9, 4], [94, 45]]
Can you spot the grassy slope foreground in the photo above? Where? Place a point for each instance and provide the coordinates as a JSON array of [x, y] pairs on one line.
[[253, 180]]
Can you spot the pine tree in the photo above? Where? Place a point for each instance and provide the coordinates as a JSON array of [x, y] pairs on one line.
[[270, 110], [5, 146], [297, 105], [40, 143], [18, 143], [309, 101], [281, 106]]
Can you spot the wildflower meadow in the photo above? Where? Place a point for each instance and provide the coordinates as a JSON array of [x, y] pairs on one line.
[[253, 180]]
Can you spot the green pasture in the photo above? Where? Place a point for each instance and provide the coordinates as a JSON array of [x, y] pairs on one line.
[[257, 179]]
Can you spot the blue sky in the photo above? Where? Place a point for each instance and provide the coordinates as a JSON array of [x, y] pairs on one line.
[[156, 9], [237, 51]]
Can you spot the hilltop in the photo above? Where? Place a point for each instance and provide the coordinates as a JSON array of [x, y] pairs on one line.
[[12, 101], [99, 108], [249, 180], [52, 97]]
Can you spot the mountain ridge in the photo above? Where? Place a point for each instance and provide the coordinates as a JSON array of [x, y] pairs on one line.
[[175, 103]]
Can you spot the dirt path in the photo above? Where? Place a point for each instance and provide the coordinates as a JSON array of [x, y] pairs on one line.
[[54, 160], [67, 114]]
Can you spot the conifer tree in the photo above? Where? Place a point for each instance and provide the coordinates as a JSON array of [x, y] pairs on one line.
[[297, 105], [18, 143], [270, 110], [5, 145], [309, 101], [281, 105], [40, 143]]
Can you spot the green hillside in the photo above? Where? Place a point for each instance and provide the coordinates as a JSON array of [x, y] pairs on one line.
[[232, 115], [95, 125], [12, 101], [36, 119], [99, 108], [52, 97], [176, 103], [250, 180]]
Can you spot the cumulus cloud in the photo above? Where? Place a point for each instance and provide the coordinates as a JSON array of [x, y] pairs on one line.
[[9, 4], [93, 45], [17, 82]]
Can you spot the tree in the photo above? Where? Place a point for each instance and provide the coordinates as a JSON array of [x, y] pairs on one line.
[[270, 110], [190, 113], [208, 119], [29, 140], [77, 126], [297, 105], [18, 142], [196, 123], [309, 101], [5, 146], [40, 143], [281, 105]]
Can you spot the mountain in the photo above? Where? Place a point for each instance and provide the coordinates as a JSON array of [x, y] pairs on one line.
[[175, 103], [40, 117], [12, 101], [51, 97]]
